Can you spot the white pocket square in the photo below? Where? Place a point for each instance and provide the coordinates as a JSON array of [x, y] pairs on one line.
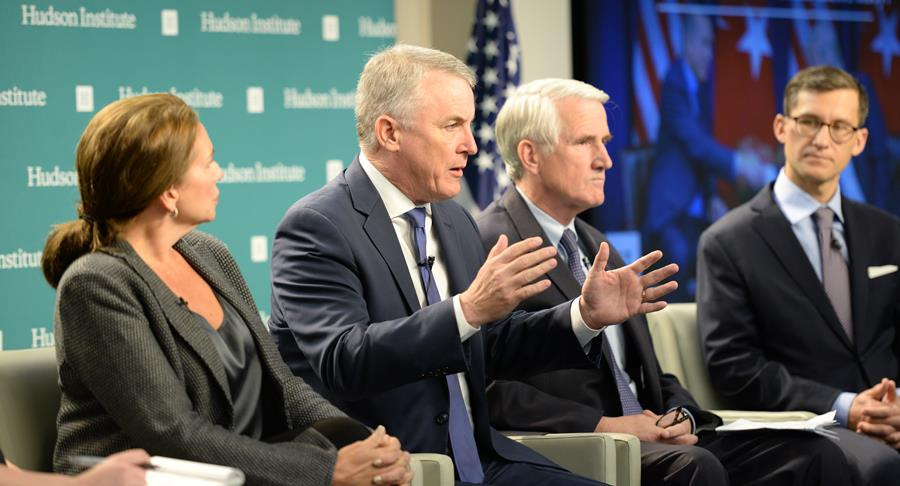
[[881, 270]]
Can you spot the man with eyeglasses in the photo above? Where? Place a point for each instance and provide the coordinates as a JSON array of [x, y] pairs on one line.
[[552, 134], [798, 291]]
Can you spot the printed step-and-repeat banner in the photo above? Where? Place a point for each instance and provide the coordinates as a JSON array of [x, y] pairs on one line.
[[273, 81]]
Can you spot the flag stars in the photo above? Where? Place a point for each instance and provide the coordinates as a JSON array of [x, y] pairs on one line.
[[755, 43], [485, 162], [471, 46], [510, 89], [491, 50], [488, 105], [490, 77], [485, 134], [886, 42], [491, 21]]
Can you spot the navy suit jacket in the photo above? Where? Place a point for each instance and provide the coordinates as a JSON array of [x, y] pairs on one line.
[[574, 400], [687, 156], [345, 316], [771, 337]]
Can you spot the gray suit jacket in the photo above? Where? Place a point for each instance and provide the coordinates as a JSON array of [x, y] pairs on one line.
[[136, 370]]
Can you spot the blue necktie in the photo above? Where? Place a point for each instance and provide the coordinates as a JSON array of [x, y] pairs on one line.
[[462, 440], [630, 404]]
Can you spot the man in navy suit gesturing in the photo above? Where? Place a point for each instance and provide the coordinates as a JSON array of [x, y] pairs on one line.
[[383, 297]]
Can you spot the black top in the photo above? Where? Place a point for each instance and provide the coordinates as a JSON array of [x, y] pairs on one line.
[[238, 352]]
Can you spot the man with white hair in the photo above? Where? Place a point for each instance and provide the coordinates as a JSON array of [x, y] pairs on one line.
[[552, 135], [383, 297]]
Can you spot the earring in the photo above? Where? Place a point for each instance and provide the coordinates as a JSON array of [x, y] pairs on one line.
[[174, 213]]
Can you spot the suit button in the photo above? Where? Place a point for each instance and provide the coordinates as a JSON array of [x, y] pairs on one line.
[[442, 418]]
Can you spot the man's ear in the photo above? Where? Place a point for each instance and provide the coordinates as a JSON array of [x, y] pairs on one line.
[[387, 133], [859, 141], [779, 128], [530, 155]]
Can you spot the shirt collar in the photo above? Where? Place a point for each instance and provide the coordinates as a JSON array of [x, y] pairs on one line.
[[796, 204], [396, 203], [552, 228]]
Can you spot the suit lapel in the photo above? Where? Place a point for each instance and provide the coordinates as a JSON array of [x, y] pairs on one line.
[[457, 272], [776, 231], [180, 318], [380, 230], [636, 334], [527, 226], [858, 253]]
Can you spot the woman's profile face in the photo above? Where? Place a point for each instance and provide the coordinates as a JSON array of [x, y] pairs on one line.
[[197, 191]]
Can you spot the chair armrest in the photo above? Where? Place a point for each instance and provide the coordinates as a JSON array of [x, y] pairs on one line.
[[587, 454], [431, 470], [628, 459], [729, 416]]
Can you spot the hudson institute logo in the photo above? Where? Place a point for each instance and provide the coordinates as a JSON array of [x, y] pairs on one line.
[[331, 28], [82, 18], [19, 259], [254, 24], [260, 173], [38, 176], [309, 99], [255, 100], [195, 97], [84, 98], [380, 28], [23, 97], [169, 22]]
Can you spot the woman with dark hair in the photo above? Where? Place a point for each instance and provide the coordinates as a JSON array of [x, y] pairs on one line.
[[159, 343]]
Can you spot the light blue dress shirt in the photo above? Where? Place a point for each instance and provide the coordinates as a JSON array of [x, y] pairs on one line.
[[798, 207]]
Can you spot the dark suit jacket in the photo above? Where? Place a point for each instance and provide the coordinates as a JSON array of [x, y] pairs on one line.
[[136, 370], [345, 316], [574, 400], [771, 338], [687, 156]]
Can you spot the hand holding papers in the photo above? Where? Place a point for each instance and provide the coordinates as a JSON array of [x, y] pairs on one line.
[[166, 471], [816, 425]]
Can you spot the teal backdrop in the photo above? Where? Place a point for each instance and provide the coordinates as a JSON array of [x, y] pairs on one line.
[[273, 81]]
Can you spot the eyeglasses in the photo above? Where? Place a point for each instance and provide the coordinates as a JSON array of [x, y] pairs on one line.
[[809, 126], [674, 417]]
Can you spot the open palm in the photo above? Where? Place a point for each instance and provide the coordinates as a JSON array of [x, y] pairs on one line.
[[611, 296]]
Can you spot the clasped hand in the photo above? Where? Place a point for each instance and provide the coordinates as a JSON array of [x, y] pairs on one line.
[[377, 459], [876, 412], [643, 426]]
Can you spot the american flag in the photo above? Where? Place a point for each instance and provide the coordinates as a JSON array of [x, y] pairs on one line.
[[494, 56]]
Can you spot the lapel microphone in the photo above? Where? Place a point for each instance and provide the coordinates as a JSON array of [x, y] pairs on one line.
[[835, 244], [428, 262]]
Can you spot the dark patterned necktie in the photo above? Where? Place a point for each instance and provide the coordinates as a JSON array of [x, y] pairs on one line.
[[835, 276], [630, 404], [462, 439]]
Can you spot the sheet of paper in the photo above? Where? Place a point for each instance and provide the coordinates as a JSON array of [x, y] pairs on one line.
[[189, 473], [818, 424]]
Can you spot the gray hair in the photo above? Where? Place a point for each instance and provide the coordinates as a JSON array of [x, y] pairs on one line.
[[531, 113], [389, 85]]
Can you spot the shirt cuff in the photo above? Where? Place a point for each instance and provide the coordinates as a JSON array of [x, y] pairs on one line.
[[690, 416], [842, 407], [583, 333], [465, 329]]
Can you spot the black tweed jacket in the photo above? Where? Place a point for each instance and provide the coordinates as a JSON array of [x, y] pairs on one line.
[[137, 371]]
